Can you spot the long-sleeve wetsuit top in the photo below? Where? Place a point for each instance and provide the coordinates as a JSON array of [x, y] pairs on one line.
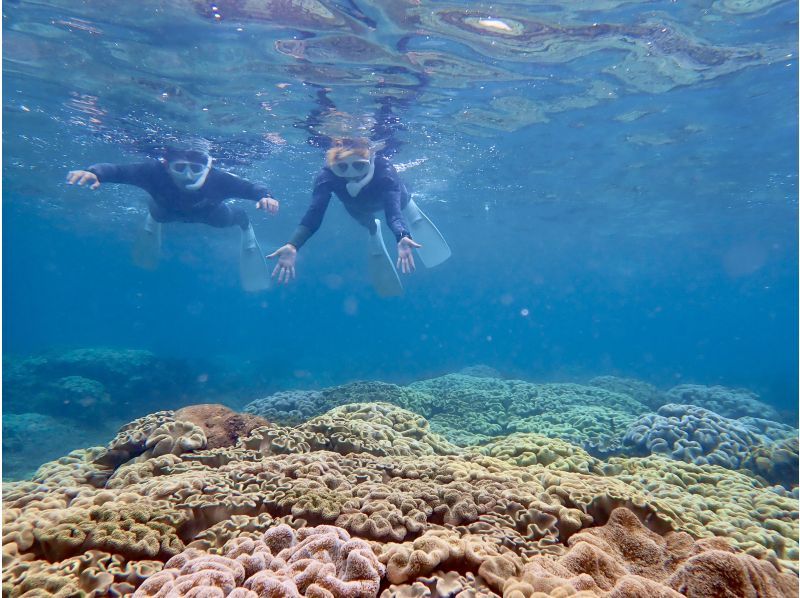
[[153, 177], [384, 192]]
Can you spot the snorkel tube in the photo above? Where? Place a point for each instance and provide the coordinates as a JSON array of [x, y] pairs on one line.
[[195, 151], [355, 187], [201, 179]]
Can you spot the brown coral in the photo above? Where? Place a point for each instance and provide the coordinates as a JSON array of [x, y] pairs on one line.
[[624, 558], [221, 425], [724, 573]]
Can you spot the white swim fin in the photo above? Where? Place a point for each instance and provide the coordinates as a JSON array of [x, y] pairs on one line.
[[253, 272], [435, 249], [382, 272], [147, 247]]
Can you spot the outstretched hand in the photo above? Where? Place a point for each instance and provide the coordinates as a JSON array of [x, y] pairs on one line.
[[81, 177], [284, 269], [405, 257], [269, 204]]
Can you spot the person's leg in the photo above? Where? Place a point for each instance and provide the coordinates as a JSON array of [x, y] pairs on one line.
[[147, 247], [387, 119], [223, 216], [387, 124], [159, 214], [382, 272], [253, 271], [314, 121]]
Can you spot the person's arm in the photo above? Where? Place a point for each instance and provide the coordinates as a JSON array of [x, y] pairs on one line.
[[393, 195], [312, 219], [234, 186], [394, 190], [284, 270], [139, 174], [131, 174]]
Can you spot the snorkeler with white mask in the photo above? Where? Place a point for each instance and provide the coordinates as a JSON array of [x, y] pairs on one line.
[[185, 187], [362, 177]]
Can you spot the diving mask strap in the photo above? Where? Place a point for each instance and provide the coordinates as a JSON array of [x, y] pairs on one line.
[[202, 179], [355, 187]]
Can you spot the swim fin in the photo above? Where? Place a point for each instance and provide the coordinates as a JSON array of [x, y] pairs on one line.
[[147, 247], [435, 249], [253, 272], [381, 268]]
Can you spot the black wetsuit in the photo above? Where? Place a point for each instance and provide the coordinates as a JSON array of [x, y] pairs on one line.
[[171, 203], [384, 192]]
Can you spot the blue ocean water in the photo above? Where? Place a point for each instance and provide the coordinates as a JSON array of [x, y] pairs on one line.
[[618, 186]]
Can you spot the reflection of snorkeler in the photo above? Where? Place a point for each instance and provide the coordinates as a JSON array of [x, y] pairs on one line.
[[184, 187], [358, 171]]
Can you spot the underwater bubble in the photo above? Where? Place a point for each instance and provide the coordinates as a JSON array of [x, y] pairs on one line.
[[350, 306], [333, 281], [744, 259]]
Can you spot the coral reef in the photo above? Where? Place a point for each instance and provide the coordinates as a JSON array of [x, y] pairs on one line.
[[480, 370], [624, 558], [296, 406], [152, 436], [696, 435], [288, 407], [221, 425], [367, 499], [775, 461], [599, 430], [468, 409], [471, 409], [94, 384], [377, 429], [534, 449], [29, 439], [318, 561], [645, 393], [728, 402], [459, 485]]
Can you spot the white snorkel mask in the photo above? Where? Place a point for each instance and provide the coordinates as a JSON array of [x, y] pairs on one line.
[[189, 168]]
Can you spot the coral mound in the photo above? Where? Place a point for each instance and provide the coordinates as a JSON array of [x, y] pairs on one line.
[[623, 558], [728, 402], [221, 425], [641, 391], [696, 435], [367, 499], [467, 408], [377, 429], [318, 562]]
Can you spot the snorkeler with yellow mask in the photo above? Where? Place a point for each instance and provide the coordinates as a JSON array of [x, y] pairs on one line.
[[366, 183]]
